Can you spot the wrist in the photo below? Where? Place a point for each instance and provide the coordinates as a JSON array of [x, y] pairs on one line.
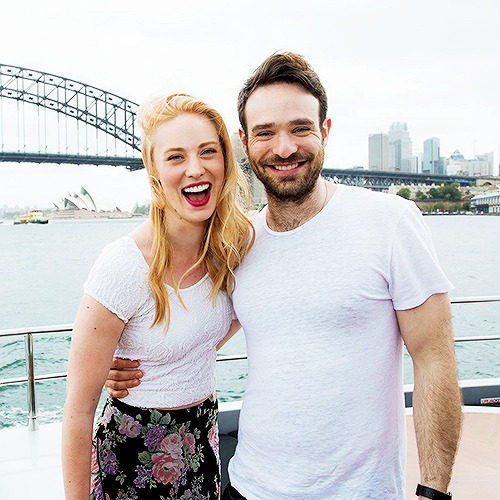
[[427, 492]]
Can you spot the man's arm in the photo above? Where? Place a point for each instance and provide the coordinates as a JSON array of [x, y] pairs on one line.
[[124, 375], [437, 399]]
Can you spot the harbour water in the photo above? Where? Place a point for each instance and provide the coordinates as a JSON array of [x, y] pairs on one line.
[[42, 270]]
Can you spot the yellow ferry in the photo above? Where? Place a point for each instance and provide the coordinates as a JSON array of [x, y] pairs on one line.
[[32, 217]]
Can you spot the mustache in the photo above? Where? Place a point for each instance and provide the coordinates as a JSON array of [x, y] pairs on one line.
[[293, 158]]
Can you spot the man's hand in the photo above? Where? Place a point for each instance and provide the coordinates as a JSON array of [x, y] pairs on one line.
[[122, 376]]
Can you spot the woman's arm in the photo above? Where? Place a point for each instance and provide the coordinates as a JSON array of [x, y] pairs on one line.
[[95, 335]]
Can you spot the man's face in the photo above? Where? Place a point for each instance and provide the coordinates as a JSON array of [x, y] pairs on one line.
[[284, 141]]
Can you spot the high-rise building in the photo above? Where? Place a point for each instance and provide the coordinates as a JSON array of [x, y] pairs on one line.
[[432, 162], [378, 151], [482, 164], [400, 148]]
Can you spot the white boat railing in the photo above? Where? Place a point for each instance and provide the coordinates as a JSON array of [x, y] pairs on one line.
[[31, 378]]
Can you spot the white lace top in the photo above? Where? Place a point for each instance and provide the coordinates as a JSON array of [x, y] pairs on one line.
[[178, 365]]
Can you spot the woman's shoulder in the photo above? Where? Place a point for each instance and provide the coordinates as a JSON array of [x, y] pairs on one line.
[[120, 262]]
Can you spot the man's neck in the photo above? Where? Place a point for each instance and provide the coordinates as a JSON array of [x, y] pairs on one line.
[[285, 215]]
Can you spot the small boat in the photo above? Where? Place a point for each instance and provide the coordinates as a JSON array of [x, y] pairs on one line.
[[32, 217]]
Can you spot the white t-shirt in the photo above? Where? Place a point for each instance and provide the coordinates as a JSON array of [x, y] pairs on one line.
[[178, 365], [323, 413]]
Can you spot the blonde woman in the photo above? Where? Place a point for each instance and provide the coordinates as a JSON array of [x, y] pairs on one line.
[[161, 295]]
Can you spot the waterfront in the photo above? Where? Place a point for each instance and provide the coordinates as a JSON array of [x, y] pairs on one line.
[[43, 269]]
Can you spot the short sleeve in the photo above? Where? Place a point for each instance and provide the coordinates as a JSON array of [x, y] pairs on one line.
[[118, 279], [415, 272]]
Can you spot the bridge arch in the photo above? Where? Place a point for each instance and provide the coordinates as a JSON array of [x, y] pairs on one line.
[[95, 107]]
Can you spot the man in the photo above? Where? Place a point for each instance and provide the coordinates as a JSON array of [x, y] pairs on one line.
[[337, 279]]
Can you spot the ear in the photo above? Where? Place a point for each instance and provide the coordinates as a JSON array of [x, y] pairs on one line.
[[243, 139], [325, 129]]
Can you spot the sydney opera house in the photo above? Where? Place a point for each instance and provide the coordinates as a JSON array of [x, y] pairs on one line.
[[82, 206]]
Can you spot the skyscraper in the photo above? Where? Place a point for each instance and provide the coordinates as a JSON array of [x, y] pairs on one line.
[[432, 162], [378, 151], [400, 148]]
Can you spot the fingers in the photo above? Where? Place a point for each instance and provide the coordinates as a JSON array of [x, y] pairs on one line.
[[116, 394], [124, 376], [120, 363]]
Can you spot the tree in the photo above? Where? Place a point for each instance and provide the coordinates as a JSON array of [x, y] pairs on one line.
[[451, 192], [439, 206], [420, 195], [404, 193], [141, 209], [434, 193]]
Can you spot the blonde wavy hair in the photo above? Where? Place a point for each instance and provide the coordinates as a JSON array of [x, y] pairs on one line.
[[229, 235]]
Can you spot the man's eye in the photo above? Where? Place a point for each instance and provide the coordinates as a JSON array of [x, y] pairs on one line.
[[264, 133], [301, 129]]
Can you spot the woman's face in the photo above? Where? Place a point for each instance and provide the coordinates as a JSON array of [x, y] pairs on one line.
[[190, 163]]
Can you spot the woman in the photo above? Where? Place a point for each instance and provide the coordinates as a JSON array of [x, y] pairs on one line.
[[160, 295]]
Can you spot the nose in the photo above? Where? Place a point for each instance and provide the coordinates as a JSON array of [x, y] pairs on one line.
[[195, 168], [284, 145]]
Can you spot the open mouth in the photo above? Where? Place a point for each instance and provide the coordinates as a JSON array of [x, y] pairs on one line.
[[198, 194]]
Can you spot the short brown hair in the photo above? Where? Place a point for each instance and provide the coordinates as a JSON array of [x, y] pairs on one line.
[[285, 67]]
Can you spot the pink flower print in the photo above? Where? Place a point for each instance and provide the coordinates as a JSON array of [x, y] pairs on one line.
[[129, 427], [94, 465], [96, 487], [189, 442], [165, 468], [213, 437], [182, 430], [172, 445]]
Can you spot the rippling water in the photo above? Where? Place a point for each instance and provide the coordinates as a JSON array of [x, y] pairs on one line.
[[42, 270]]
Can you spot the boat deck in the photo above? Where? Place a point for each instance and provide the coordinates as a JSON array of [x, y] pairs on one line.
[[30, 464]]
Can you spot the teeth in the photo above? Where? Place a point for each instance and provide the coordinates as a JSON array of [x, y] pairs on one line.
[[286, 167], [197, 189]]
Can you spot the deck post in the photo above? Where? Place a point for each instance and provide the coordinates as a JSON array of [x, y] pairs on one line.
[[30, 372]]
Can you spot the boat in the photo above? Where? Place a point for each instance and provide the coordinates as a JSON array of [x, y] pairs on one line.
[[32, 217], [33, 451]]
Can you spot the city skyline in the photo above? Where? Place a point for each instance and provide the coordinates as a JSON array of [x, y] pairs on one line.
[[394, 151], [439, 76]]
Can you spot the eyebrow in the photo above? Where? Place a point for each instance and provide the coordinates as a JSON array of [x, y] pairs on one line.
[[297, 121]]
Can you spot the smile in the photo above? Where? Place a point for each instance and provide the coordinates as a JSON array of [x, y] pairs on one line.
[[289, 167], [197, 195]]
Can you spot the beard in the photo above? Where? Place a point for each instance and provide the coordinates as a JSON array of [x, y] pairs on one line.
[[295, 187]]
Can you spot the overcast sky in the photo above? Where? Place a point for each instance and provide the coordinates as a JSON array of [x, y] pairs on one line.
[[430, 63]]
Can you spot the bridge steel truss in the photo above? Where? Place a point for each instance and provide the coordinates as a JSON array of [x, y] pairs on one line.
[[116, 115], [376, 179], [103, 110]]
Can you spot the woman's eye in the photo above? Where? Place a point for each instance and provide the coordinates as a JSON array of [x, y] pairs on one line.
[[208, 151], [174, 158]]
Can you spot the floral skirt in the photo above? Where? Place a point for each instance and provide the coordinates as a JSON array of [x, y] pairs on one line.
[[141, 453]]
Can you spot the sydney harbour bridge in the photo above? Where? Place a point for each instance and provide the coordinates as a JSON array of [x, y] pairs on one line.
[[46, 118]]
